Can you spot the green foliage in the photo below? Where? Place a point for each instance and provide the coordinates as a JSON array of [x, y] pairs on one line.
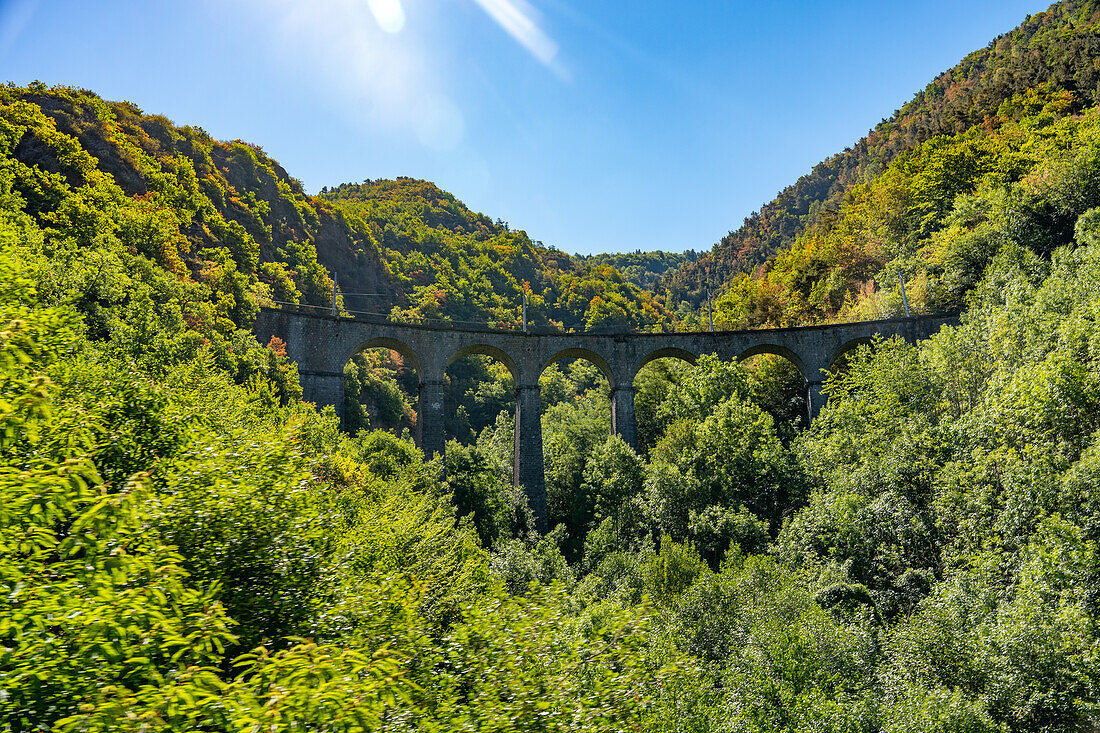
[[943, 475], [643, 269], [716, 528], [673, 570], [186, 546], [93, 603], [520, 564], [523, 664], [183, 545], [785, 663], [571, 431], [377, 383], [731, 457], [385, 455], [480, 388], [95, 608], [935, 216], [239, 507], [481, 491]]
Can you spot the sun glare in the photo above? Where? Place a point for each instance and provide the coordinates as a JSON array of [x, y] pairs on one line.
[[388, 13], [378, 62]]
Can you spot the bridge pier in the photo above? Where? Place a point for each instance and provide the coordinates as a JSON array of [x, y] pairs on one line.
[[527, 468], [815, 400], [430, 433], [623, 421], [324, 388]]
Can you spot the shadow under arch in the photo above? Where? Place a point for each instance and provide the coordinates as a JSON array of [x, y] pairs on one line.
[[671, 352], [394, 345], [587, 355], [839, 357], [777, 350], [487, 350]]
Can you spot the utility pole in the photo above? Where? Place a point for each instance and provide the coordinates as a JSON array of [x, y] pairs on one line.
[[904, 299], [710, 314], [334, 296], [525, 311]]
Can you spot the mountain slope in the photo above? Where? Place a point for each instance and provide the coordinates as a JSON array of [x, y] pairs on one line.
[[417, 250], [935, 217], [453, 265], [1050, 51], [206, 193]]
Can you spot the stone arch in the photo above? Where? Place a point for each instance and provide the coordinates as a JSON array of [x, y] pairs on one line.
[[414, 392], [464, 369], [778, 350], [633, 430], [587, 355], [393, 344], [488, 350], [530, 468], [846, 348]]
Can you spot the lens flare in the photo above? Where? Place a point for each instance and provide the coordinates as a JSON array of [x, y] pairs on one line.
[[519, 20]]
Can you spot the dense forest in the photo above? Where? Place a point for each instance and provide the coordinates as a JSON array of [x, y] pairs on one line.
[[186, 545]]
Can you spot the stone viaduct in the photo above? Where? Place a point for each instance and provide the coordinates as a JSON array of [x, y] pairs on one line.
[[322, 344]]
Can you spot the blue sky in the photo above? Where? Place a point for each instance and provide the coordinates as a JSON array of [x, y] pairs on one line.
[[595, 126]]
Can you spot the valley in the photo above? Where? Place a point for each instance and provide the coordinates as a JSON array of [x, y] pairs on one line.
[[371, 460]]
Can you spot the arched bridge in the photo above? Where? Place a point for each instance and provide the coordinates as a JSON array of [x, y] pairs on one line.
[[321, 345]]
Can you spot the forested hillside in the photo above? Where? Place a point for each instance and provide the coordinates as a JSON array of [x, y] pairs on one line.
[[186, 545], [452, 265], [644, 269], [1050, 55], [935, 217], [420, 253]]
